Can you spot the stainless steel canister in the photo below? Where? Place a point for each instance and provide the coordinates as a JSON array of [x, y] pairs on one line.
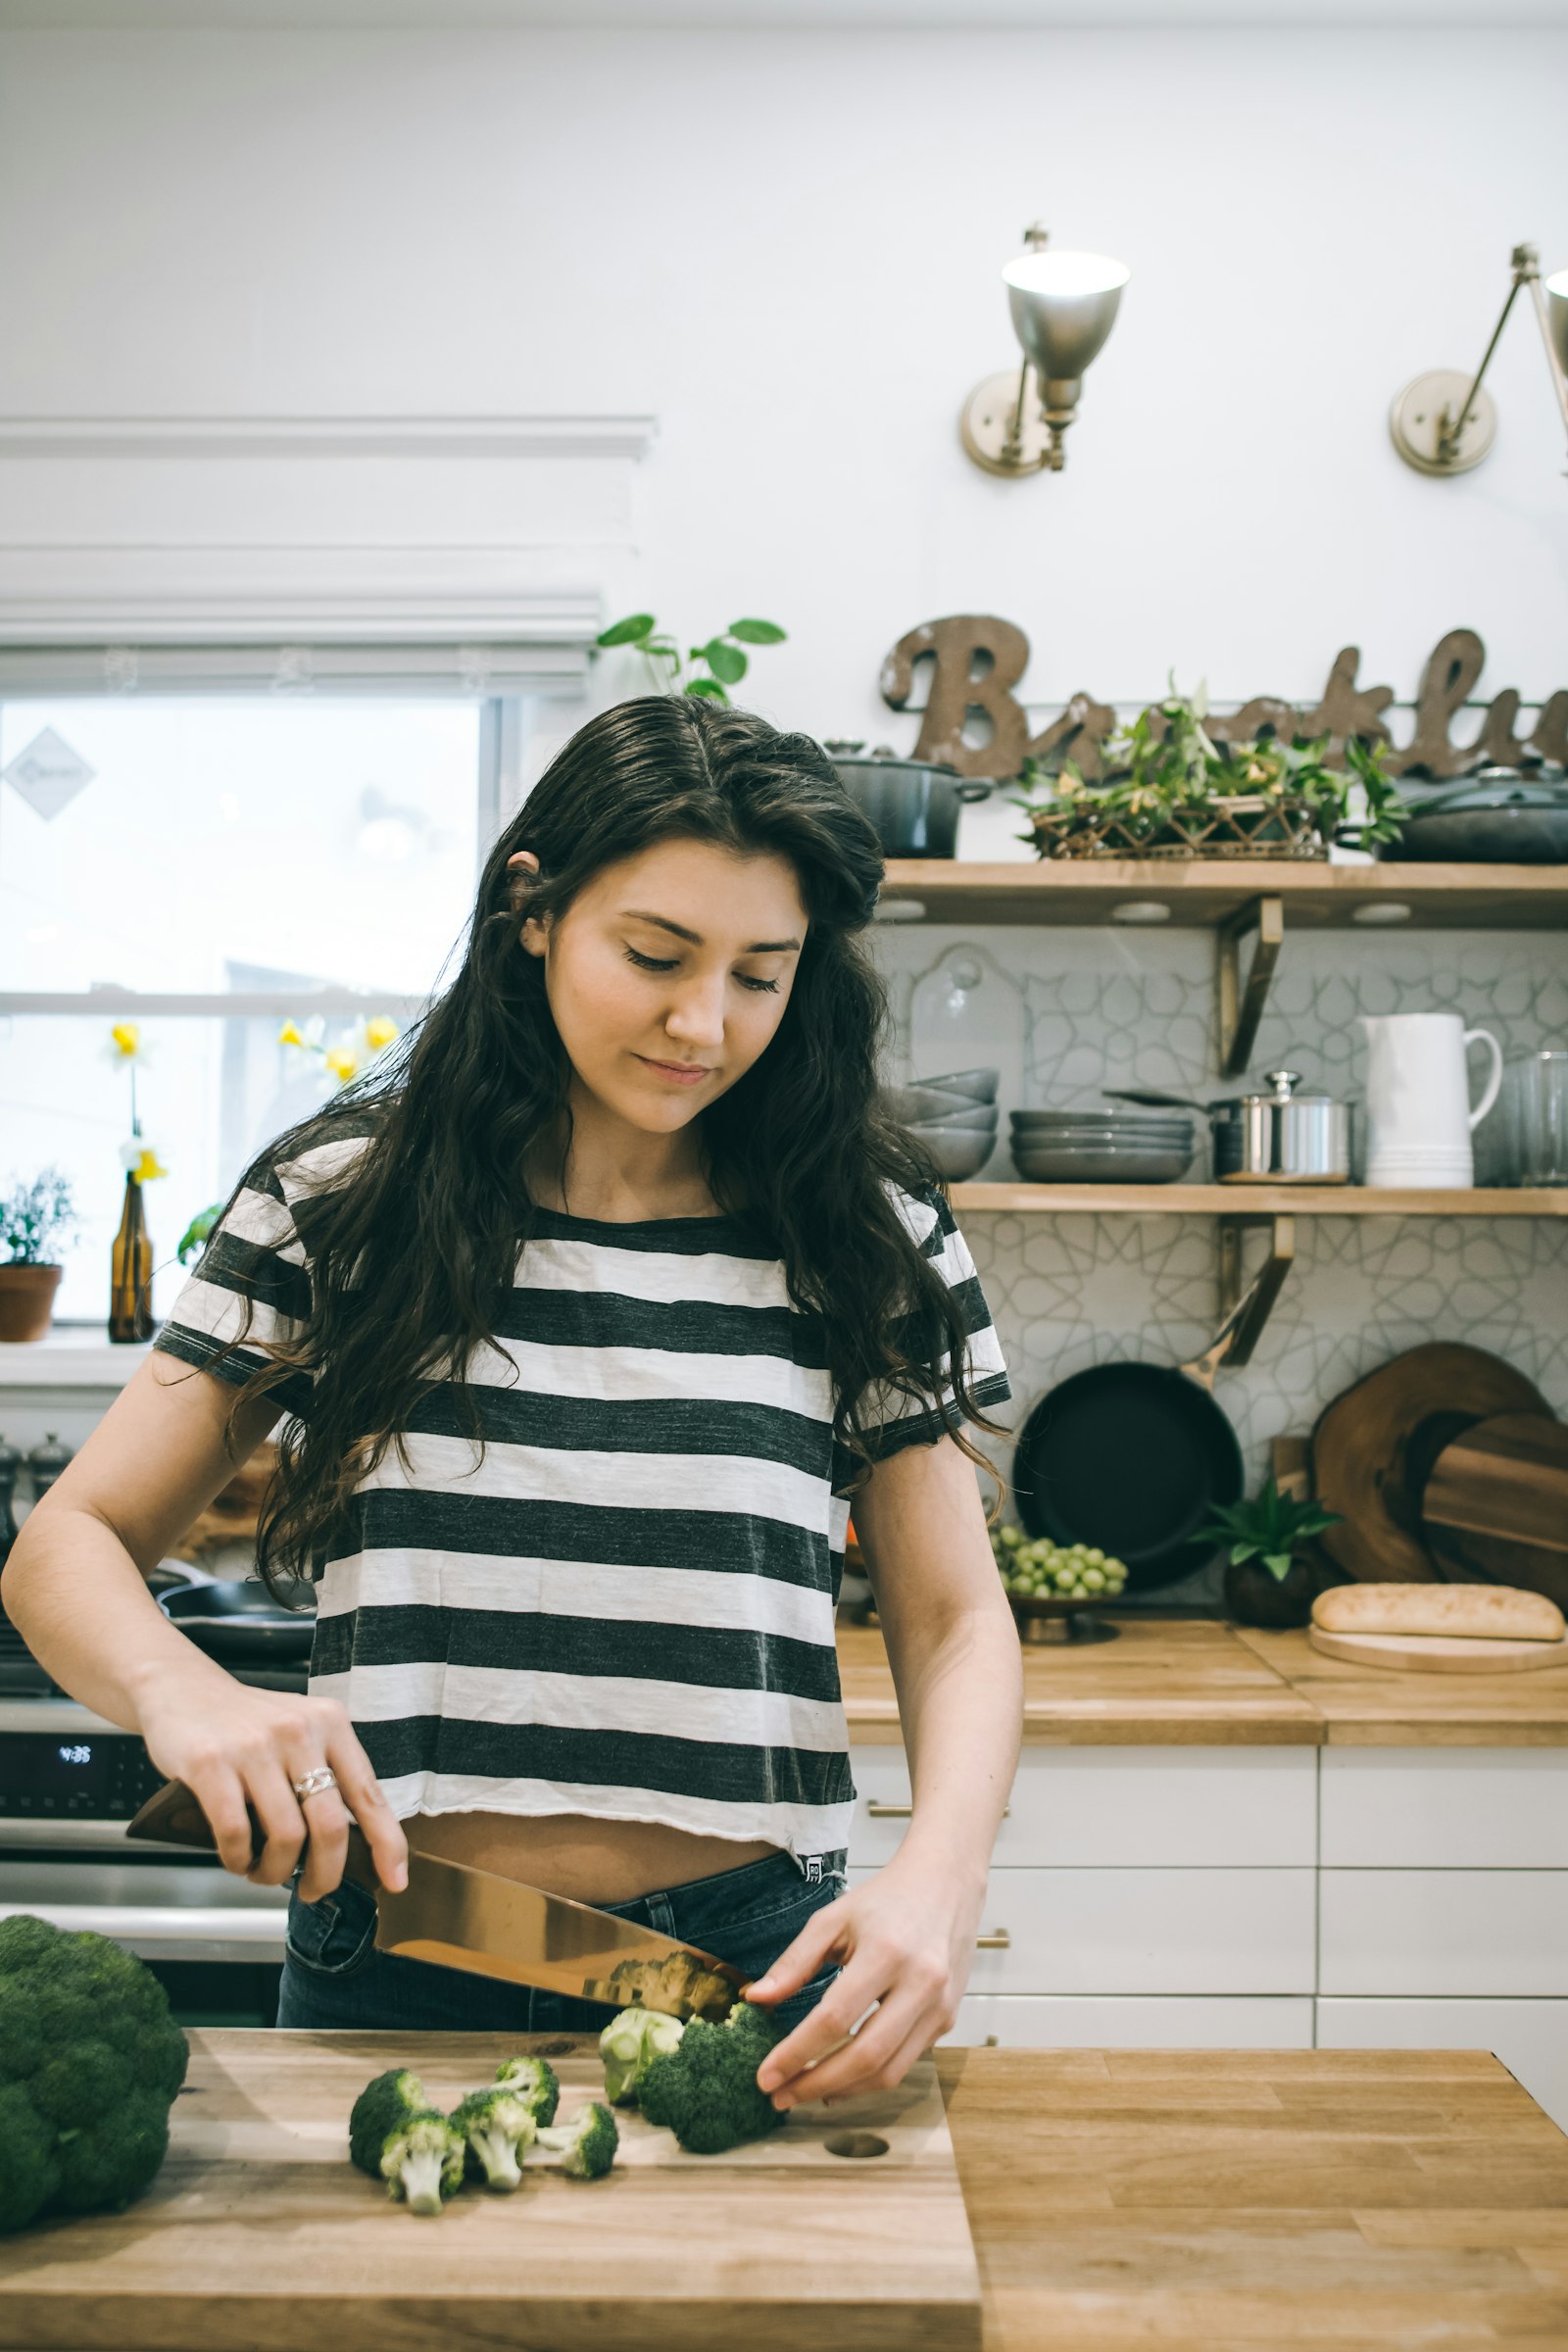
[[1282, 1135]]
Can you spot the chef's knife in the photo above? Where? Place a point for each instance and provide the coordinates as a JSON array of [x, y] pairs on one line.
[[491, 1926]]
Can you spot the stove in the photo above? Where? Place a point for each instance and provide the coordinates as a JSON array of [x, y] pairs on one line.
[[70, 1780]]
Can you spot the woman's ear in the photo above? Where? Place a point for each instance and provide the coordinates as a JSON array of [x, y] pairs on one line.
[[520, 865]]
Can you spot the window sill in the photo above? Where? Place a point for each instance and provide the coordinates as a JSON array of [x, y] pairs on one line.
[[70, 1358]]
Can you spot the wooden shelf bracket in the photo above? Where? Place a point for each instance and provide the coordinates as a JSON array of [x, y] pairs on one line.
[[1243, 1314], [1241, 1005]]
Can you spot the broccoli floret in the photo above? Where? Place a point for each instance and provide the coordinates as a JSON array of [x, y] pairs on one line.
[[630, 2043], [498, 2128], [706, 2090], [585, 2147], [423, 2160], [535, 2082], [90, 2061], [385, 2103]]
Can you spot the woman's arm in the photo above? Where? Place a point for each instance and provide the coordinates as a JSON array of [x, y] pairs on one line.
[[907, 1936]]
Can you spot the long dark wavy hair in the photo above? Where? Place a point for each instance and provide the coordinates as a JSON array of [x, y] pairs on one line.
[[413, 1248]]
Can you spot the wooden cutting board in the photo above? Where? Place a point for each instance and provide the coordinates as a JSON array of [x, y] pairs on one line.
[[258, 2234], [1441, 1653]]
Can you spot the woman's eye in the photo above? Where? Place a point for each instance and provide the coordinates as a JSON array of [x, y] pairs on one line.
[[653, 963]]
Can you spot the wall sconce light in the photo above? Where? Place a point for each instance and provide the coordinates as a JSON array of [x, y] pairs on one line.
[[1064, 307], [1442, 423]]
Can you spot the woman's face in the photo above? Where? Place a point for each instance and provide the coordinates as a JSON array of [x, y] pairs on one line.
[[669, 974]]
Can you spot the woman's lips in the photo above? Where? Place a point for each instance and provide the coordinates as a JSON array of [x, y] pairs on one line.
[[679, 1073]]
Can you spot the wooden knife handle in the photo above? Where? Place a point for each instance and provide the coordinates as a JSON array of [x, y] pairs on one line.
[[171, 1816]]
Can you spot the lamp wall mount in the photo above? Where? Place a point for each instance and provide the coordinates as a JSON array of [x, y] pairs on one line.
[[1443, 421]]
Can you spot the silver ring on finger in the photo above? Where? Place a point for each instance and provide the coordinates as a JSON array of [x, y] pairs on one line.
[[319, 1777]]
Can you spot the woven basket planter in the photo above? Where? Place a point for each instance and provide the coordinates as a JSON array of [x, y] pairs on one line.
[[1235, 825]]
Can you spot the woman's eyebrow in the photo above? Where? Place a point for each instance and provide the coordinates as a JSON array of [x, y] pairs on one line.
[[759, 946]]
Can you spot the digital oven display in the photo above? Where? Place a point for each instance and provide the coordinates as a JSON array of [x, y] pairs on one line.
[[42, 1774]]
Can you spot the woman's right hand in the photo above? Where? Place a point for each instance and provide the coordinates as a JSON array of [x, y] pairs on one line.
[[234, 1745]]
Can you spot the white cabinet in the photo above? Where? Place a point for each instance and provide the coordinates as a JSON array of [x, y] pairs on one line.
[[1110, 1807], [1444, 1808], [1445, 1931], [1243, 1897]]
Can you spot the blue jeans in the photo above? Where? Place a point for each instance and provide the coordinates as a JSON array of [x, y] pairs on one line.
[[334, 1977]]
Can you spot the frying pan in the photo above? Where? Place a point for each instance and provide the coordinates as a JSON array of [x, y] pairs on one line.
[[237, 1622], [1135, 1456]]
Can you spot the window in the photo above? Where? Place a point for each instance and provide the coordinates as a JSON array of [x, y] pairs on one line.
[[207, 865]]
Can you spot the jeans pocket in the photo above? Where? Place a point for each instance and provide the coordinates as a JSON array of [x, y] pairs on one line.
[[335, 1935]]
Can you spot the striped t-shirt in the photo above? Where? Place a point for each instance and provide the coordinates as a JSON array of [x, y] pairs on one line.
[[626, 1610]]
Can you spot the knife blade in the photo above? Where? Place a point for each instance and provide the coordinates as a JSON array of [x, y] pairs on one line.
[[459, 1917]]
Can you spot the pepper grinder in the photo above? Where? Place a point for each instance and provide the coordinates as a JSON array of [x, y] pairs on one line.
[[45, 1463], [10, 1464]]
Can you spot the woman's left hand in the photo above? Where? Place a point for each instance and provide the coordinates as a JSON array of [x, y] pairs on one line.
[[906, 1940]]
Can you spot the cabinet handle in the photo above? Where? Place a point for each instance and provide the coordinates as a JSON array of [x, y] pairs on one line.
[[878, 1811], [995, 1940]]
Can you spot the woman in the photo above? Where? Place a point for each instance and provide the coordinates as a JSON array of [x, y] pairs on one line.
[[591, 1307]]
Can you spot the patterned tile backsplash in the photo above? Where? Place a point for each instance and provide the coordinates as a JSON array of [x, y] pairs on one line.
[[1068, 1011]]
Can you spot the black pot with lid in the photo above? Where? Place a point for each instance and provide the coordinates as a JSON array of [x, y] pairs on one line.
[[913, 803], [1499, 817]]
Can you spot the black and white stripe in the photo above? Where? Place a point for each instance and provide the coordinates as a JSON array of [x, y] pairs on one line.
[[626, 1608]]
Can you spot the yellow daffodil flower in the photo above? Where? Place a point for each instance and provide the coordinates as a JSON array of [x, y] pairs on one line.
[[380, 1032], [342, 1063], [126, 1039], [288, 1035], [148, 1166]]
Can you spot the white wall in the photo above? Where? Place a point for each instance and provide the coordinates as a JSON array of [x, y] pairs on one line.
[[786, 245]]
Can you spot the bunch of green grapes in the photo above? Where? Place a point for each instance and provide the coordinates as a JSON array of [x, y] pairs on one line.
[[1034, 1567]]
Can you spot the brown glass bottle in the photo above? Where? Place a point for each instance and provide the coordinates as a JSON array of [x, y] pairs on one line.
[[130, 1271]]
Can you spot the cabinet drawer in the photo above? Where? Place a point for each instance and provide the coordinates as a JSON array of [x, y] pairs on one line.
[[1123, 1807], [1444, 1931], [1531, 2038], [1467, 1808], [1054, 2022], [1145, 1931]]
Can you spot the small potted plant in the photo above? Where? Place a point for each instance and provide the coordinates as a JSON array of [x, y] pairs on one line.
[[1270, 1581], [32, 1217], [709, 670]]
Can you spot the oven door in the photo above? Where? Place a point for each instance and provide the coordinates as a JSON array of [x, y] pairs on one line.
[[213, 1941]]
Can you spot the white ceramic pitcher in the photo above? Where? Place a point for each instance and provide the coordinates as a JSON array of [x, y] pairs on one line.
[[1418, 1114]]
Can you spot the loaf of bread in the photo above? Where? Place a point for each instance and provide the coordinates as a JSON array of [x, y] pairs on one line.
[[1498, 1612]]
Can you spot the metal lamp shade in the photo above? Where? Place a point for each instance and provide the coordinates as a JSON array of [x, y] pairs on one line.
[[1064, 307]]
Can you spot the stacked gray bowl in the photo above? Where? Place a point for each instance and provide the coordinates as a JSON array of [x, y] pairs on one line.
[[1100, 1146], [955, 1118]]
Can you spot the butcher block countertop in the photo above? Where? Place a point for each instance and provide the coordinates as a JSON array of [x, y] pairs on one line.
[[1202, 1682], [1080, 2201]]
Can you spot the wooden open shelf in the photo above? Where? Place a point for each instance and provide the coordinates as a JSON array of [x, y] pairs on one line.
[[1263, 1199], [1202, 892]]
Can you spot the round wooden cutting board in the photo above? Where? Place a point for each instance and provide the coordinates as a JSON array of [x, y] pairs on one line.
[[1375, 1439], [1438, 1654]]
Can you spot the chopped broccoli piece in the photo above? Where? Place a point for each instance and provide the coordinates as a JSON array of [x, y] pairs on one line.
[[535, 2082], [706, 2090], [586, 2145], [382, 2106], [628, 2044], [90, 2061], [498, 2128], [423, 2160]]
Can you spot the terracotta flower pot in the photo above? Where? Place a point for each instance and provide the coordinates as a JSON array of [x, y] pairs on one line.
[[26, 1299], [1256, 1596]]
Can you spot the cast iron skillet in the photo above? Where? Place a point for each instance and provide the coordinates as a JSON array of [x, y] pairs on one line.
[[1134, 1456], [238, 1623]]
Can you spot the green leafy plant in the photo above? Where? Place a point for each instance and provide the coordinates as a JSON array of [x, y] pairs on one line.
[[708, 671], [1165, 764], [198, 1232], [1267, 1529], [32, 1216]]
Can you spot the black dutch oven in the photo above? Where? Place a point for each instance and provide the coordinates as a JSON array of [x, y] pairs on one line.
[[913, 803], [1497, 817]]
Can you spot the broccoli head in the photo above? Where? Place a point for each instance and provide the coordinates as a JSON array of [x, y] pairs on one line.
[[630, 2043], [585, 2147], [385, 2103], [423, 2162], [499, 2127], [535, 2082], [91, 2060], [704, 2090]]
